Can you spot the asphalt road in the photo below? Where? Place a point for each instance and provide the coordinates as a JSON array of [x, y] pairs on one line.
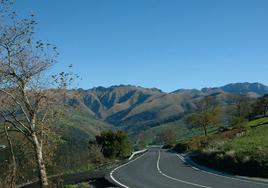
[[162, 169]]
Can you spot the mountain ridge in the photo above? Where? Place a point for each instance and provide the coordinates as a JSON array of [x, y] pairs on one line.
[[249, 86], [129, 106]]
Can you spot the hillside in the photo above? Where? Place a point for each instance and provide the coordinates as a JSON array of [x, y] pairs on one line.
[[74, 127], [134, 108], [236, 152], [182, 131], [130, 107], [142, 112], [80, 121]]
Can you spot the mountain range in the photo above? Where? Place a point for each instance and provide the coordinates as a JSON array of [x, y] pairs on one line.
[[133, 107], [141, 112]]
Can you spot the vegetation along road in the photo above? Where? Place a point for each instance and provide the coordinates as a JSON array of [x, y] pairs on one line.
[[161, 168]]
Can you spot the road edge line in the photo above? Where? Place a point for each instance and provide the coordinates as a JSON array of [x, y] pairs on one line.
[[175, 179], [198, 168]]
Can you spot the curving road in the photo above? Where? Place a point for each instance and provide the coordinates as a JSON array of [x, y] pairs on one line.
[[162, 169]]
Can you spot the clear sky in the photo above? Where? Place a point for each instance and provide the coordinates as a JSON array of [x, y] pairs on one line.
[[168, 44]]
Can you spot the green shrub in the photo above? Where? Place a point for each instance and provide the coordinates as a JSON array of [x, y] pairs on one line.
[[181, 147], [167, 146], [113, 144]]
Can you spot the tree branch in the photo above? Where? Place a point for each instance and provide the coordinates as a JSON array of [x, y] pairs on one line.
[[19, 122], [16, 127], [18, 103]]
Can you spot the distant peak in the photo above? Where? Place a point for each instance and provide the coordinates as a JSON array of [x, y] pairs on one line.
[[246, 87]]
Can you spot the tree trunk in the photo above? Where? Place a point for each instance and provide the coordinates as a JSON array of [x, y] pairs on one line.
[[40, 162], [205, 130], [12, 182]]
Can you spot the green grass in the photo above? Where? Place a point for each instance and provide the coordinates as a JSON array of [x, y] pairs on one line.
[[253, 143], [257, 122], [242, 152]]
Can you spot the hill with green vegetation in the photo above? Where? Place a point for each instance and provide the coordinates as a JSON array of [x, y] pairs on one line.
[[238, 151], [253, 143], [182, 130], [148, 115]]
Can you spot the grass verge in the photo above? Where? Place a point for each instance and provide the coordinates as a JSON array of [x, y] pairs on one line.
[[241, 152]]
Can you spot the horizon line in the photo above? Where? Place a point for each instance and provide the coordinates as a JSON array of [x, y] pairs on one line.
[[199, 89]]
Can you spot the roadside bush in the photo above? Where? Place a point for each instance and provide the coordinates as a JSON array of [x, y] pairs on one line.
[[181, 147], [113, 144], [95, 154], [233, 163]]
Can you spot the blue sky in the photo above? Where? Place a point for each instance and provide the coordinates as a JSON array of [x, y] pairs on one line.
[[168, 44]]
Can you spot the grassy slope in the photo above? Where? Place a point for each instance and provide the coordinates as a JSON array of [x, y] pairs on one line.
[[255, 138], [89, 124], [254, 142], [243, 153], [182, 131], [257, 122]]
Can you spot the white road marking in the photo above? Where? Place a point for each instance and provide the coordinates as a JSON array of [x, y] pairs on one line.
[[181, 157], [111, 173], [219, 175], [175, 179], [195, 168]]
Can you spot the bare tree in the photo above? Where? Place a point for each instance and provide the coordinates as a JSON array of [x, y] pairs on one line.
[[25, 97]]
